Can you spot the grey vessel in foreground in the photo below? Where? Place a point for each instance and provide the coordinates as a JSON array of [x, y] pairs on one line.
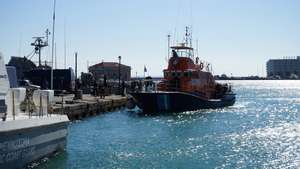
[[27, 137]]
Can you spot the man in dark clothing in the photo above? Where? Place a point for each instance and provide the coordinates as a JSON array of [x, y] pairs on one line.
[[123, 88], [174, 53]]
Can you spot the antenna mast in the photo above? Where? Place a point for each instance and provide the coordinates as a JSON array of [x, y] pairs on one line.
[[191, 37], [197, 50], [55, 56], [169, 38], [65, 45], [186, 36], [53, 33], [38, 44], [191, 42]]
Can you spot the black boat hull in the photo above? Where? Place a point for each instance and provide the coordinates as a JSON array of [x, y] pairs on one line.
[[178, 102]]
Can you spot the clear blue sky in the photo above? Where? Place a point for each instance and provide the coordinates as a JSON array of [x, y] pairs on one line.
[[236, 36]]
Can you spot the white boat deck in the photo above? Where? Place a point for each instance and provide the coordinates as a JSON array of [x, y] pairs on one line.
[[22, 122]]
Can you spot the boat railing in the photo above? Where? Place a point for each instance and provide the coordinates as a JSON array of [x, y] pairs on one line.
[[37, 107]]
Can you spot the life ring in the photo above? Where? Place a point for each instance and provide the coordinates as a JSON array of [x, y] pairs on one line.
[[175, 62], [201, 65]]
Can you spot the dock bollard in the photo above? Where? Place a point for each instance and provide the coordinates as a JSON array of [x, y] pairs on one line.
[[47, 105], [62, 104]]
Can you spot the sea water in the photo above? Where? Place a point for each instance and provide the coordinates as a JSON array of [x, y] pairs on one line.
[[262, 130]]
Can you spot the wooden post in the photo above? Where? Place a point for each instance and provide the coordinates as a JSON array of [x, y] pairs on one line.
[[62, 104], [119, 86], [75, 65], [41, 106], [13, 104], [47, 103]]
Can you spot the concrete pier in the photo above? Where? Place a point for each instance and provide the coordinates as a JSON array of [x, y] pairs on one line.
[[87, 106]]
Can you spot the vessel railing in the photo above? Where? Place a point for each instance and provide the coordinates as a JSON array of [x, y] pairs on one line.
[[28, 110]]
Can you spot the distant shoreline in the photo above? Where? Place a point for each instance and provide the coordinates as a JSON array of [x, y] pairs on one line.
[[258, 79], [222, 78]]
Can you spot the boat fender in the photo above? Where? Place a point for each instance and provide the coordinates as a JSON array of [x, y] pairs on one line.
[[175, 62]]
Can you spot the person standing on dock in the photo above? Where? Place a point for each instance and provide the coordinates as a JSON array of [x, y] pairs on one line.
[[123, 88], [95, 88], [102, 92]]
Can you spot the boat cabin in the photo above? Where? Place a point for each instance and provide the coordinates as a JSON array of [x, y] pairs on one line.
[[187, 74]]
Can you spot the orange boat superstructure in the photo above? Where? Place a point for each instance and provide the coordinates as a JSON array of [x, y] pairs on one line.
[[185, 75]]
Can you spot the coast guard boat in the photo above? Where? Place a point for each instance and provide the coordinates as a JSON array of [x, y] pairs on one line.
[[188, 85], [26, 136]]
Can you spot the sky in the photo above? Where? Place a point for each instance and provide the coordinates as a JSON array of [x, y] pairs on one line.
[[236, 36]]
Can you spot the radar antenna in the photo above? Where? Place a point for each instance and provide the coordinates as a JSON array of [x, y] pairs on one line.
[[40, 43]]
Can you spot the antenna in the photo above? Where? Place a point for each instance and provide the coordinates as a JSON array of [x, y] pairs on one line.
[[175, 37], [191, 12], [191, 37], [191, 40], [38, 44], [87, 65], [55, 55], [47, 35], [169, 38], [76, 65], [20, 44], [65, 45], [186, 35], [197, 49], [53, 33]]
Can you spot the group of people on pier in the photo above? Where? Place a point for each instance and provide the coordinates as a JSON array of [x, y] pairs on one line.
[[102, 87]]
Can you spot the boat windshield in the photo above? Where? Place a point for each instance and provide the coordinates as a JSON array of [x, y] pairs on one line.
[[184, 53]]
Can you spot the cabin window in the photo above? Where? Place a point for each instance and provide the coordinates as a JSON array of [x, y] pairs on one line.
[[173, 74], [186, 74]]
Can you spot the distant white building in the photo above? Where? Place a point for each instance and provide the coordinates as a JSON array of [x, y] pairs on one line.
[[288, 68]]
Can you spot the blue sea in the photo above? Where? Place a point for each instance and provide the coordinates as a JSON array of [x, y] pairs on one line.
[[262, 130]]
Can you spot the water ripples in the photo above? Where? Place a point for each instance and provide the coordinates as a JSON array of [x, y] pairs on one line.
[[262, 130]]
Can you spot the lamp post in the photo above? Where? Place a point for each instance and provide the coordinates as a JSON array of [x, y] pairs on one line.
[[76, 71], [119, 57]]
